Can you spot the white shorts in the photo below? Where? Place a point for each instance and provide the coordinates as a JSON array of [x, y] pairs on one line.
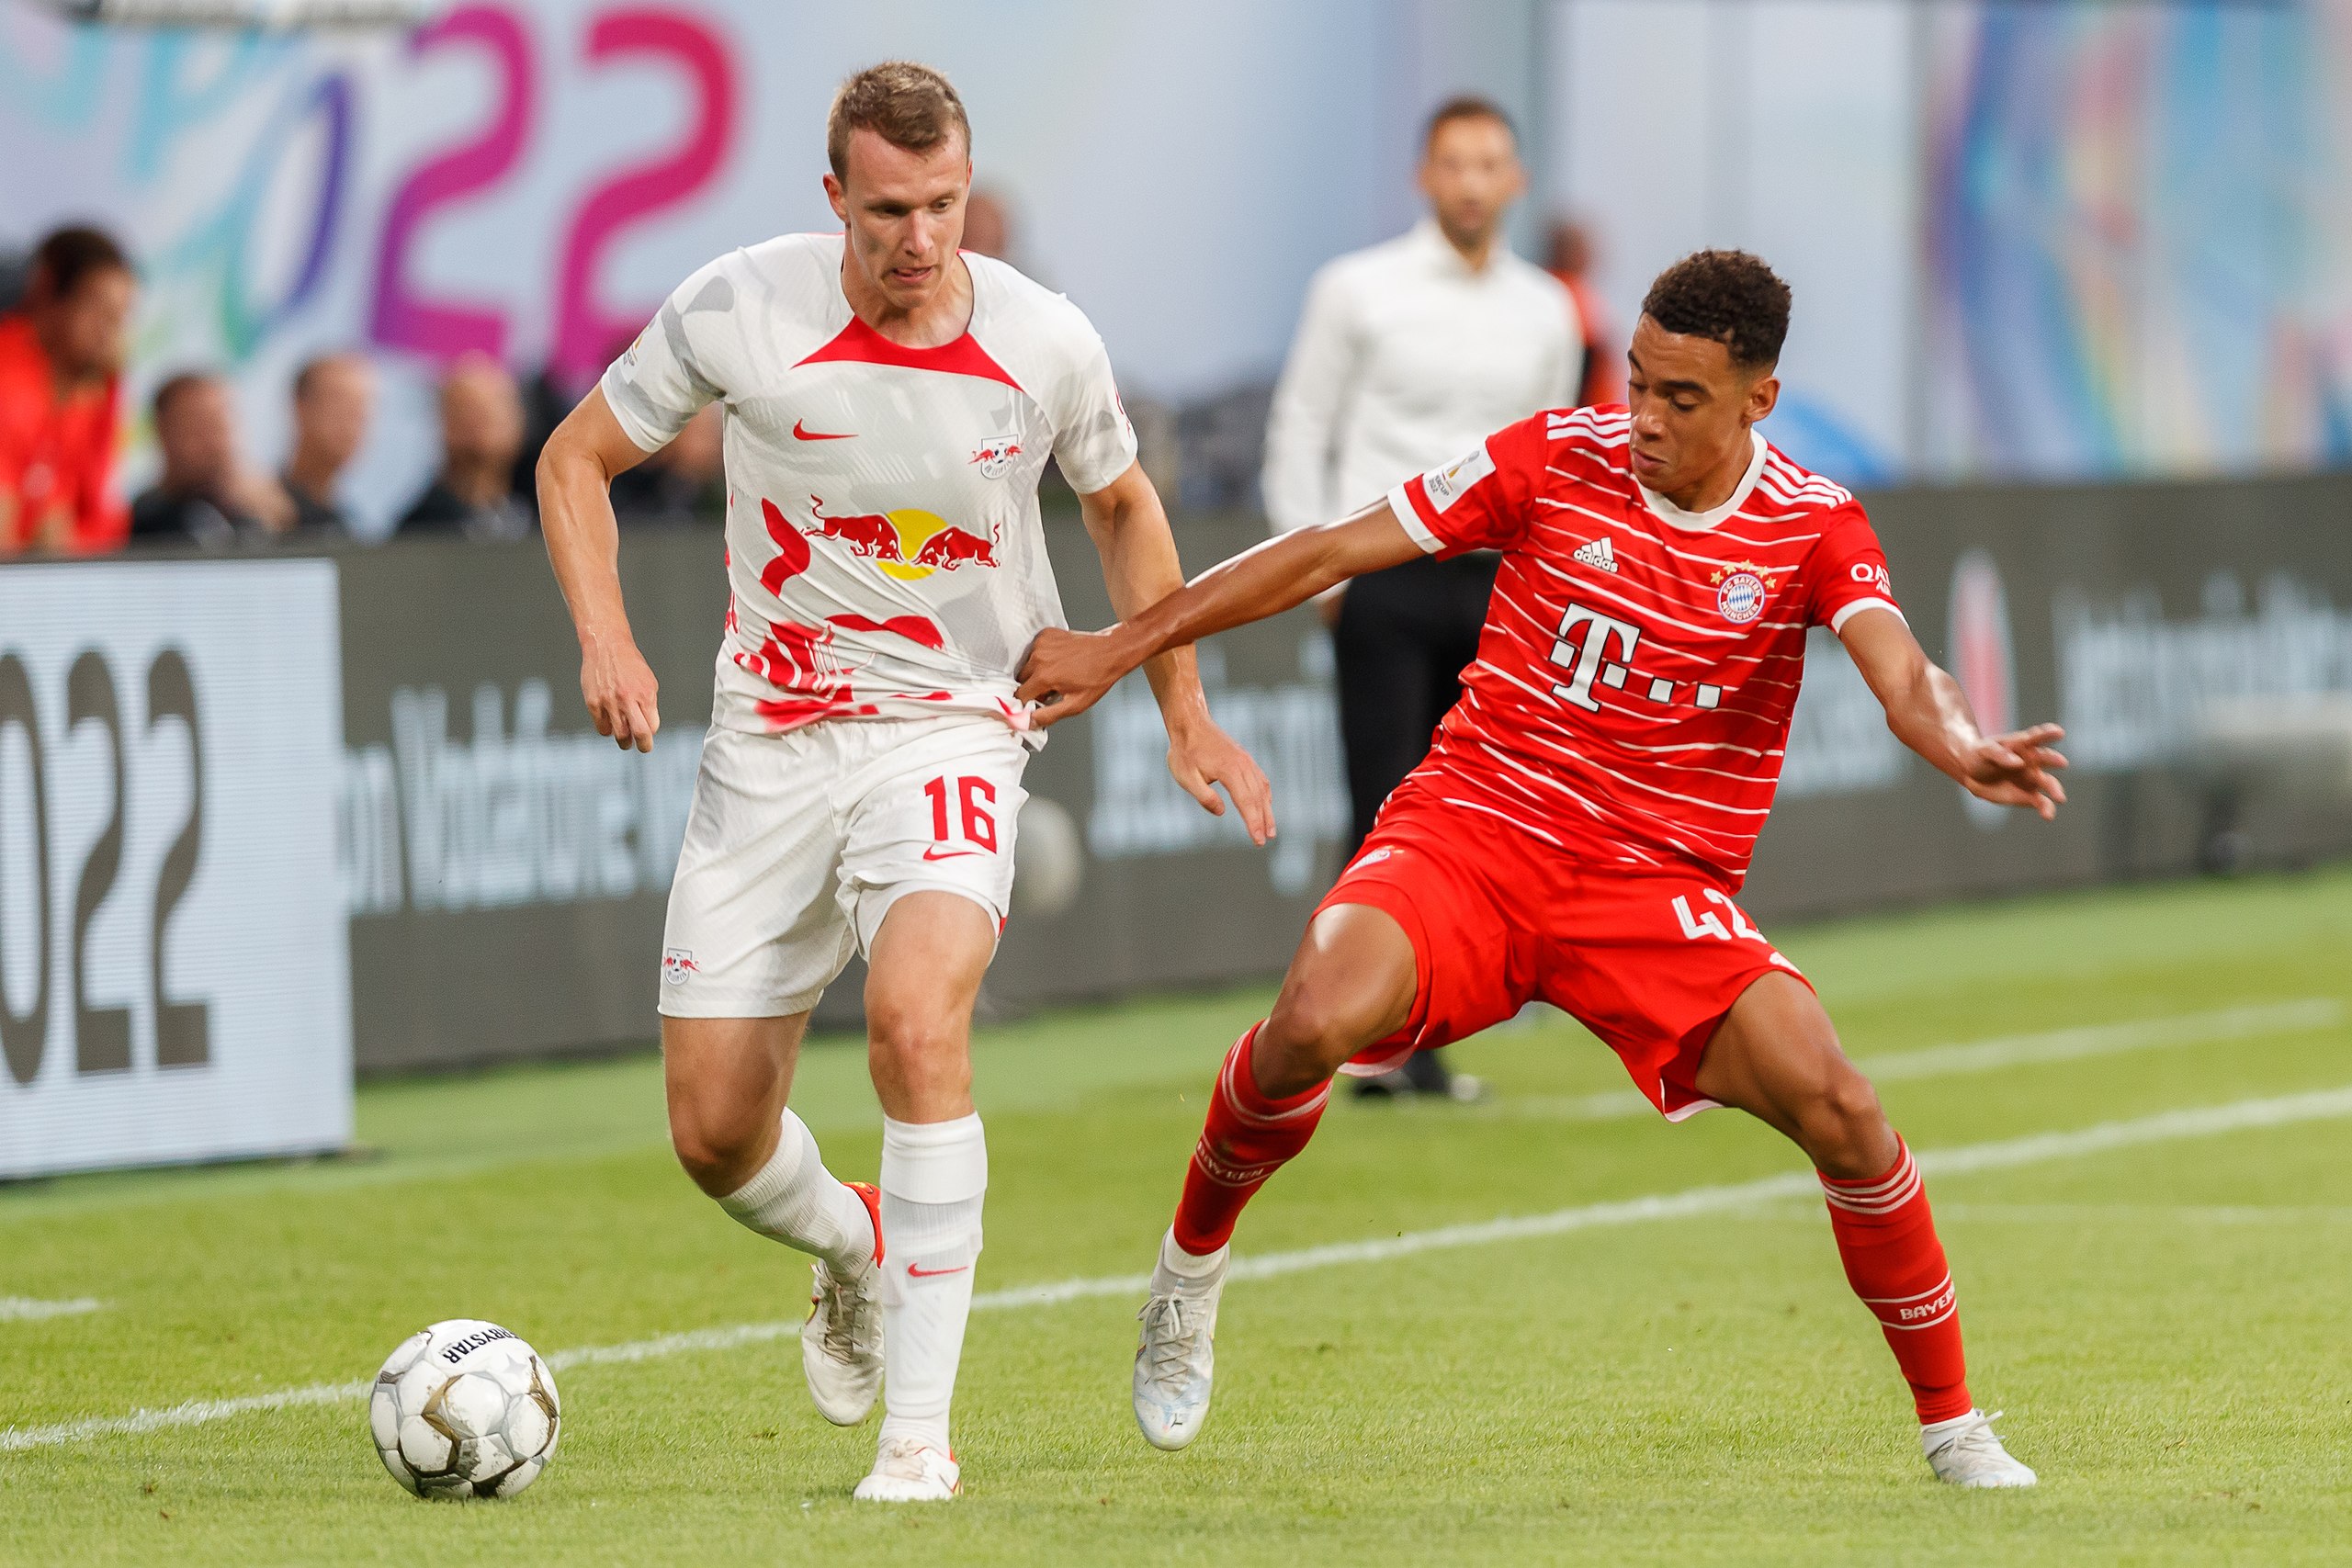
[[799, 843]]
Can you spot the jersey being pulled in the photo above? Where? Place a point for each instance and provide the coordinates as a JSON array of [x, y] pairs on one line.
[[1639, 666], [883, 543]]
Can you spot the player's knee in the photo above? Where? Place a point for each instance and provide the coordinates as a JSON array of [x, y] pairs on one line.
[[714, 1144], [915, 1048], [1312, 1029], [1845, 1128]]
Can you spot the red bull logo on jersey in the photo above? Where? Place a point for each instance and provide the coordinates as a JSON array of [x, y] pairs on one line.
[[1741, 589], [909, 544], [996, 455], [952, 547], [677, 963]]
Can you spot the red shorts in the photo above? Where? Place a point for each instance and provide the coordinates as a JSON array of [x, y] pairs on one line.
[[1650, 959]]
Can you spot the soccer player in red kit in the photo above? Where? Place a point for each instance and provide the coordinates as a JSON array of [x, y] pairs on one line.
[[1584, 818]]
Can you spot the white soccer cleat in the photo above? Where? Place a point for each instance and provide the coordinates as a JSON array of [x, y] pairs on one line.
[[909, 1470], [1176, 1355], [841, 1345], [1964, 1453]]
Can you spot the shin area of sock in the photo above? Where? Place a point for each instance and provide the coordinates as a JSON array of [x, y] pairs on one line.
[[795, 1200], [1886, 1238], [1245, 1138], [934, 1182]]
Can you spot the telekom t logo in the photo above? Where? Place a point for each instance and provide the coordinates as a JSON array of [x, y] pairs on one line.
[[1585, 662]]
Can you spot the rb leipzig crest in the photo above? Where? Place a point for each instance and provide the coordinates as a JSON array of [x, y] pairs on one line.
[[995, 456]]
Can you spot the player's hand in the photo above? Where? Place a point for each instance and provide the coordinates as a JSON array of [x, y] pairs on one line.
[[1067, 673], [1202, 756], [2018, 768], [620, 690]]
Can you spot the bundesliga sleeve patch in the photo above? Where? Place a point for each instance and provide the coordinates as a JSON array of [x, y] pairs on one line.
[[1445, 486]]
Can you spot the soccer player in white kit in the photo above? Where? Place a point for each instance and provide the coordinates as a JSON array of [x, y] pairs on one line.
[[890, 407]]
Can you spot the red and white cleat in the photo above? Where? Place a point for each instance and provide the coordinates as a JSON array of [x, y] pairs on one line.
[[841, 1345]]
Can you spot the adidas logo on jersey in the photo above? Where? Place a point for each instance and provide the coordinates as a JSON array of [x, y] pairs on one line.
[[1597, 554]]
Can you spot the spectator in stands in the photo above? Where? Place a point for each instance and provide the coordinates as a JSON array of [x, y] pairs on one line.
[[992, 227], [60, 378], [16, 273], [1409, 356], [547, 396], [684, 482], [207, 494], [333, 396], [987, 226], [482, 431], [1602, 379]]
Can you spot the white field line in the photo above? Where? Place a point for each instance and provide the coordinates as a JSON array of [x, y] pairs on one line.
[[2253, 1022], [25, 1309], [2166, 1127]]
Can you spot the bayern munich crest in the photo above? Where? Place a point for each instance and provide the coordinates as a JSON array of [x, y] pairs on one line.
[[1740, 596]]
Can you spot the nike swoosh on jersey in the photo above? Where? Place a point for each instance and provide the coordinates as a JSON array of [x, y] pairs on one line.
[[916, 1272], [799, 434], [934, 853]]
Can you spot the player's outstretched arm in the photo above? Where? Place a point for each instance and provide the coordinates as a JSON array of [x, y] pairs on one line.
[[1139, 566], [1069, 672], [1928, 713], [575, 476]]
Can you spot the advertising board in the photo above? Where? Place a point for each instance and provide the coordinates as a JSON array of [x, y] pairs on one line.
[[174, 972], [507, 868], [504, 870]]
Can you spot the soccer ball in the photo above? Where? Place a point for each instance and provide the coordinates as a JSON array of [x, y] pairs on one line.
[[464, 1409]]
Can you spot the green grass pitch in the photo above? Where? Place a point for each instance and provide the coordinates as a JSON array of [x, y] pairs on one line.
[[2164, 1311]]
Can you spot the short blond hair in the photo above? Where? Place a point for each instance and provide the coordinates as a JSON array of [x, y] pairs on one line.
[[905, 104]]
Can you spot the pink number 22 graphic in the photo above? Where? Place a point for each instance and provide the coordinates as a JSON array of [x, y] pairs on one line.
[[586, 332]]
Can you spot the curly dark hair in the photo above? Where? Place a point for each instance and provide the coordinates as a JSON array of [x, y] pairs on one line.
[[1729, 296]]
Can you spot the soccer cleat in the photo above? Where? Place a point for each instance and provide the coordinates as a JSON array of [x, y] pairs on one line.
[[909, 1470], [1176, 1356], [1964, 1451], [841, 1345]]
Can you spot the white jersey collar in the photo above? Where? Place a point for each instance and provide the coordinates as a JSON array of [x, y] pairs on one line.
[[1705, 522]]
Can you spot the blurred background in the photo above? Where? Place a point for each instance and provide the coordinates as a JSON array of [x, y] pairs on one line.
[[2057, 241], [2073, 311]]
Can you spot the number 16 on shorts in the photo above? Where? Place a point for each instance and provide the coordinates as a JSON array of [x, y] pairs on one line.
[[961, 819]]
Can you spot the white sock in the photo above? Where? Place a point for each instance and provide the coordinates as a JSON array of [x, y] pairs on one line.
[[1185, 1267], [934, 1176], [795, 1200]]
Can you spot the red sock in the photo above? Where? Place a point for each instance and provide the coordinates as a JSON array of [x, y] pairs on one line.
[[1887, 1238], [1246, 1139]]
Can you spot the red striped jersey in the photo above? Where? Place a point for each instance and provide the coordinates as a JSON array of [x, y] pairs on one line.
[[1634, 681]]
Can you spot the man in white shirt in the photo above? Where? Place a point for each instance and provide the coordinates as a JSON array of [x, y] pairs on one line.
[[1409, 353], [889, 405]]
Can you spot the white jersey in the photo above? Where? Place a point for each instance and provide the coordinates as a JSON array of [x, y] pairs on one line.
[[884, 547]]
